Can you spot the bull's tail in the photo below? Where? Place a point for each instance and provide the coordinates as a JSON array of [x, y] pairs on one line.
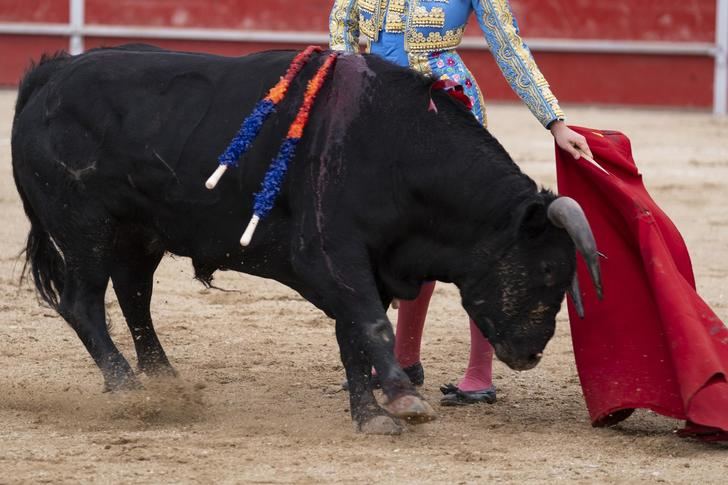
[[43, 259]]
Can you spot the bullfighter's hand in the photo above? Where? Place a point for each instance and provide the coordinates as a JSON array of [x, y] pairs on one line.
[[569, 140]]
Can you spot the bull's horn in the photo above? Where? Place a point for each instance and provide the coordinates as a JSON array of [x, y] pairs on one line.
[[567, 214], [575, 293]]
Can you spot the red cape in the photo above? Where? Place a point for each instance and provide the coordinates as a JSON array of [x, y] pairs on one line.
[[652, 342]]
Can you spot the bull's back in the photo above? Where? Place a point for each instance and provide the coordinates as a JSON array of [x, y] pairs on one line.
[[135, 125], [132, 101], [135, 132]]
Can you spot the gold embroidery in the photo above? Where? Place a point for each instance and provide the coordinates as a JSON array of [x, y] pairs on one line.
[[395, 22], [433, 18], [516, 61], [420, 62], [373, 25], [343, 26], [435, 41], [368, 27], [368, 5], [396, 6], [415, 16]]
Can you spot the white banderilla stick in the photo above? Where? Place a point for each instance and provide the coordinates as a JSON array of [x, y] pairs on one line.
[[215, 177]]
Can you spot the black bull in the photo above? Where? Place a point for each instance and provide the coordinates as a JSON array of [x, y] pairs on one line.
[[111, 150]]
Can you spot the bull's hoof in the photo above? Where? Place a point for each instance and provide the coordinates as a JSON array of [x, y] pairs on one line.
[[413, 409], [381, 425]]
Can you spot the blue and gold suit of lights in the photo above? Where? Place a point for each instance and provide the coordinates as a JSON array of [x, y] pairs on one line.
[[423, 34]]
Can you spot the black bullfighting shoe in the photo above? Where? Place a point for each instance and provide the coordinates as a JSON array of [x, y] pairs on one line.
[[453, 396], [415, 372]]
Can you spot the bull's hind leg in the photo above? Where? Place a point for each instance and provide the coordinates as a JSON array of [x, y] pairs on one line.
[[82, 305], [132, 272]]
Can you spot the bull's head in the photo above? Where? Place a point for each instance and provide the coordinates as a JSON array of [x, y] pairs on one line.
[[515, 292]]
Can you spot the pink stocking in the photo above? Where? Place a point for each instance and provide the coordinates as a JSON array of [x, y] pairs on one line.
[[479, 375], [410, 323]]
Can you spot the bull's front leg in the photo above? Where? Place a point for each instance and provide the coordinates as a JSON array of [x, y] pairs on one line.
[[368, 417], [343, 282], [366, 339]]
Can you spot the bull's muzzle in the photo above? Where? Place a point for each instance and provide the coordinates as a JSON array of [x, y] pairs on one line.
[[517, 361]]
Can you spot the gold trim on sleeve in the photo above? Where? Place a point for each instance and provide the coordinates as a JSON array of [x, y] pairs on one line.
[[516, 62]]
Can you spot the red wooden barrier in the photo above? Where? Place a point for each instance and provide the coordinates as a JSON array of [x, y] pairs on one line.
[[678, 80], [48, 11]]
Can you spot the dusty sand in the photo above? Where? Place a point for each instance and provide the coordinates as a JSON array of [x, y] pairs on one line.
[[259, 399]]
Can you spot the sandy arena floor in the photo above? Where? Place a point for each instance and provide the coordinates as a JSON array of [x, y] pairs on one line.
[[259, 398]]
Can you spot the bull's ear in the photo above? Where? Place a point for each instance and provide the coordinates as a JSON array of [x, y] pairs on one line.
[[532, 218]]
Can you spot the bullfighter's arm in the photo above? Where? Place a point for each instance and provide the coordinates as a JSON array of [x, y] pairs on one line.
[[515, 60], [344, 26]]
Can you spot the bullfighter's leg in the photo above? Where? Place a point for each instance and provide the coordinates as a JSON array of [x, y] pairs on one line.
[[479, 376], [476, 386], [133, 276], [82, 306]]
